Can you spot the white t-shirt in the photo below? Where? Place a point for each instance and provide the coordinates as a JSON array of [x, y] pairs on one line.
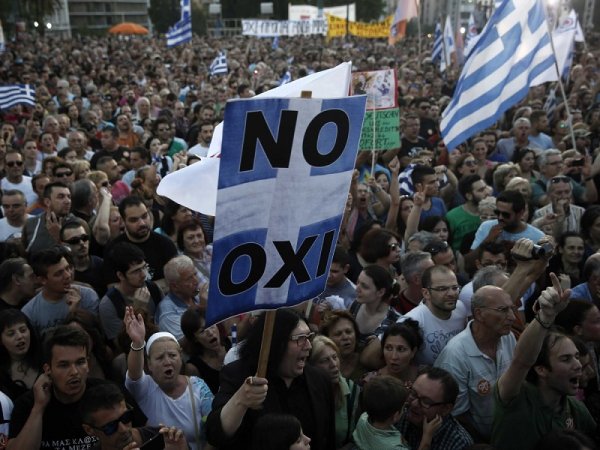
[[24, 186], [436, 332], [7, 231], [160, 408], [6, 407]]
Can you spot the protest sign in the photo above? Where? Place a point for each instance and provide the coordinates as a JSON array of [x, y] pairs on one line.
[[304, 12], [384, 134], [380, 86], [286, 166], [273, 28], [336, 27]]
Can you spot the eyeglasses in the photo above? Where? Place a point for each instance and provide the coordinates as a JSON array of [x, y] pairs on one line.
[[445, 289], [300, 339], [560, 179], [78, 239], [13, 206], [64, 174], [112, 427], [436, 247], [555, 163], [504, 214], [424, 403], [394, 246], [502, 309], [14, 163]]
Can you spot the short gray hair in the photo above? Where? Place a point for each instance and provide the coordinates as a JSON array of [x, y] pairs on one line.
[[486, 277], [542, 158], [175, 265], [411, 263], [423, 237]]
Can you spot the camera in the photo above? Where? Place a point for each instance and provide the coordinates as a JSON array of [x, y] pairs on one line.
[[578, 162], [541, 251]]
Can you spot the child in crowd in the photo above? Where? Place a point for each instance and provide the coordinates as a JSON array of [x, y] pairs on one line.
[[383, 400]]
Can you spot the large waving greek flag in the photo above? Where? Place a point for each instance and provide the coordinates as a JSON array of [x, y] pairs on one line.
[[181, 32], [286, 167], [16, 94], [513, 50]]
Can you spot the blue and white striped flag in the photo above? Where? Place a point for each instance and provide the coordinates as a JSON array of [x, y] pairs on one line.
[[16, 94], [436, 53], [550, 104], [448, 45], [180, 33], [513, 50], [286, 78], [472, 36], [219, 65], [275, 236]]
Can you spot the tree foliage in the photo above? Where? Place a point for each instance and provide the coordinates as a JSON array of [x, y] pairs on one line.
[[164, 14]]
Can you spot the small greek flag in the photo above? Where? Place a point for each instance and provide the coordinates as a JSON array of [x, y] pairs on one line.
[[436, 53], [286, 78], [219, 65], [16, 94], [181, 32]]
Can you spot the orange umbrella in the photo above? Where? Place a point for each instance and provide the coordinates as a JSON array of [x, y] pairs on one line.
[[128, 28]]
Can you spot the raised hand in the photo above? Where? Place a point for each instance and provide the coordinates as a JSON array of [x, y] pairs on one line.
[[73, 298], [41, 390], [252, 392], [134, 326], [419, 197]]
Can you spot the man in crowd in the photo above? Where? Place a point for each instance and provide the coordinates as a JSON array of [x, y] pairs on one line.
[[464, 219], [58, 296], [17, 283], [433, 394], [14, 207], [127, 137], [560, 214], [477, 356], [412, 265], [14, 166], [410, 139], [337, 282], [506, 147], [110, 146], [539, 127], [118, 189], [589, 290], [205, 135], [184, 288]]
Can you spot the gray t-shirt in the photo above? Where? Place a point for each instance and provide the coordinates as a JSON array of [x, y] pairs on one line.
[[44, 314], [110, 320]]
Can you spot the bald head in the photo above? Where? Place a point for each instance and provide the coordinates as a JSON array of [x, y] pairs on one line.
[[484, 296]]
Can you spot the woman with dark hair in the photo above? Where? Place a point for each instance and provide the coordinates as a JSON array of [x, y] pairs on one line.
[[191, 241], [357, 261], [19, 358], [466, 165], [205, 347], [590, 228], [174, 216], [399, 345], [243, 397], [440, 227], [569, 258], [100, 354], [381, 247], [372, 309], [525, 159], [279, 432], [341, 328]]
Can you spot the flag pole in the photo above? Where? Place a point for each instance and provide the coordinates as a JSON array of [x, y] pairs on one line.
[[418, 34], [562, 89], [444, 50]]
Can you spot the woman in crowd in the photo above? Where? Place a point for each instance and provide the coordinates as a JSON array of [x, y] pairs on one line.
[[326, 355], [341, 328], [372, 310], [19, 358], [191, 241], [479, 151], [381, 247], [503, 174], [164, 395], [204, 345], [569, 257], [174, 217], [160, 159], [399, 344], [525, 159], [465, 165], [81, 169], [244, 397]]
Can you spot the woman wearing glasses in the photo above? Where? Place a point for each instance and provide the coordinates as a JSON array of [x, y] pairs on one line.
[[372, 310], [304, 391]]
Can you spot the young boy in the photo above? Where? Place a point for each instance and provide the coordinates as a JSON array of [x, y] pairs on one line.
[[383, 399]]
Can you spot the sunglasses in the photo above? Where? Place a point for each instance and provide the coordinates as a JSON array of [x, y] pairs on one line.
[[14, 163], [394, 246], [112, 427], [504, 214], [435, 248], [63, 174], [560, 179], [78, 239]]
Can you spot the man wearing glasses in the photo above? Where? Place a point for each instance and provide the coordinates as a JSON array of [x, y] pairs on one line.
[[14, 167], [441, 316], [433, 394], [478, 356]]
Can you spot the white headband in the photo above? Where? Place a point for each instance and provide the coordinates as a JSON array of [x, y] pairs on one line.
[[161, 334]]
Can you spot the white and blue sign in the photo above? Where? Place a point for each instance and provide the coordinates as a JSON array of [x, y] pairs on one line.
[[286, 167]]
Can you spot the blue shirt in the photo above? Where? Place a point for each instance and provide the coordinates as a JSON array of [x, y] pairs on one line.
[[582, 292], [530, 232]]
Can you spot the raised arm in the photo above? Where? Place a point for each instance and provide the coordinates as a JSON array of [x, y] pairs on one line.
[[136, 330], [101, 228], [391, 222], [412, 221]]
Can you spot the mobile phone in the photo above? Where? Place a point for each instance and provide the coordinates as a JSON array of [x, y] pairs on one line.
[[578, 162]]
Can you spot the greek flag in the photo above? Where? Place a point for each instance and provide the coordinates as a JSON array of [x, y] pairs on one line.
[[181, 32], [513, 50], [219, 65], [472, 36], [448, 45], [436, 53], [550, 104], [16, 94], [275, 235], [286, 78]]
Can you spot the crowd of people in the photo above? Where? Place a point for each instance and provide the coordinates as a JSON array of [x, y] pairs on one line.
[[461, 309]]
